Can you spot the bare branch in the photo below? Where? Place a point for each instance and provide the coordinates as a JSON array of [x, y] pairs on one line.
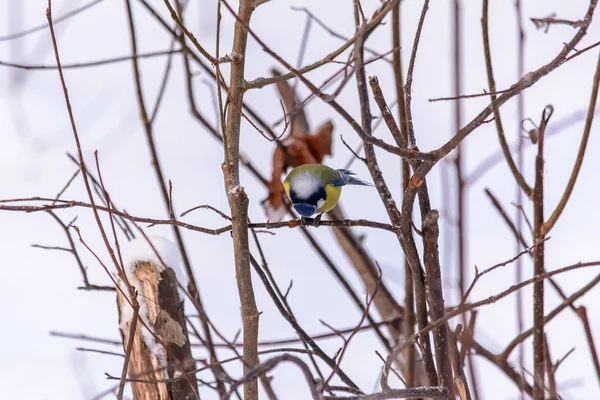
[[498, 121], [548, 225]]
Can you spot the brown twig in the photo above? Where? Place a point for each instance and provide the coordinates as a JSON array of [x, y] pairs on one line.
[[525, 82], [544, 23], [497, 120], [275, 342], [76, 136], [163, 84], [495, 298], [499, 362], [318, 21], [548, 225], [521, 239], [129, 348], [461, 190], [386, 114], [520, 167], [501, 359], [146, 122], [410, 133], [478, 274], [265, 380], [549, 370], [64, 189], [410, 393], [404, 220], [56, 21], [73, 250], [268, 365], [409, 246], [209, 207], [122, 222], [238, 200], [413, 376], [470, 329], [565, 303], [88, 64], [406, 153], [468, 96], [301, 333], [378, 15], [539, 263], [407, 242], [435, 293], [354, 153], [340, 354], [460, 379], [582, 312], [404, 236], [108, 353], [191, 36], [65, 204]]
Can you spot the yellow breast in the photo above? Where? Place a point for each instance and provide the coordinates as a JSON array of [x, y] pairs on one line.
[[332, 196]]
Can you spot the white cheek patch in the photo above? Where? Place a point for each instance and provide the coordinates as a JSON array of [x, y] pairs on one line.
[[320, 204], [305, 186]]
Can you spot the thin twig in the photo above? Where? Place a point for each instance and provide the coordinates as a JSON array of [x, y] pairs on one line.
[[129, 348], [56, 21], [412, 371], [378, 15], [191, 36], [295, 223], [410, 132], [478, 274], [88, 64], [497, 120], [548, 225], [495, 298], [410, 393], [544, 23], [549, 370], [268, 365], [301, 333], [582, 312]]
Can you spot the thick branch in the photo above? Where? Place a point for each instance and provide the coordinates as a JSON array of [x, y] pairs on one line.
[[238, 200], [436, 297]]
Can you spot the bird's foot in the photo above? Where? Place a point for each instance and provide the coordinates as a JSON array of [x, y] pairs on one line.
[[303, 222], [317, 220]]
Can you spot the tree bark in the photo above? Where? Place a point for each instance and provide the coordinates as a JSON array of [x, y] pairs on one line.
[[164, 315], [238, 200]]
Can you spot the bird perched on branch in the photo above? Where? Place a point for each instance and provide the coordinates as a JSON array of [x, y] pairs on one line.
[[316, 188]]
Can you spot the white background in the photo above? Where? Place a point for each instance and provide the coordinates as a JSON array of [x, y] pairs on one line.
[[38, 288]]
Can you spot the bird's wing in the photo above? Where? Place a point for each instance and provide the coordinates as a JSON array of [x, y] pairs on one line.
[[348, 178]]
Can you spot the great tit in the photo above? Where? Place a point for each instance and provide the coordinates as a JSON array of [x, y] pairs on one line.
[[316, 188]]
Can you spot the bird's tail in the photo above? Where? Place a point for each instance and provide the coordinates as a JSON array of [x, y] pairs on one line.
[[349, 179]]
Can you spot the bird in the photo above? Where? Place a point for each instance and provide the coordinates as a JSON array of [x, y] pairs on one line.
[[316, 188]]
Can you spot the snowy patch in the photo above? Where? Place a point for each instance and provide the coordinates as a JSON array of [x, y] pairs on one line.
[[305, 185], [162, 253], [235, 190], [162, 249]]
